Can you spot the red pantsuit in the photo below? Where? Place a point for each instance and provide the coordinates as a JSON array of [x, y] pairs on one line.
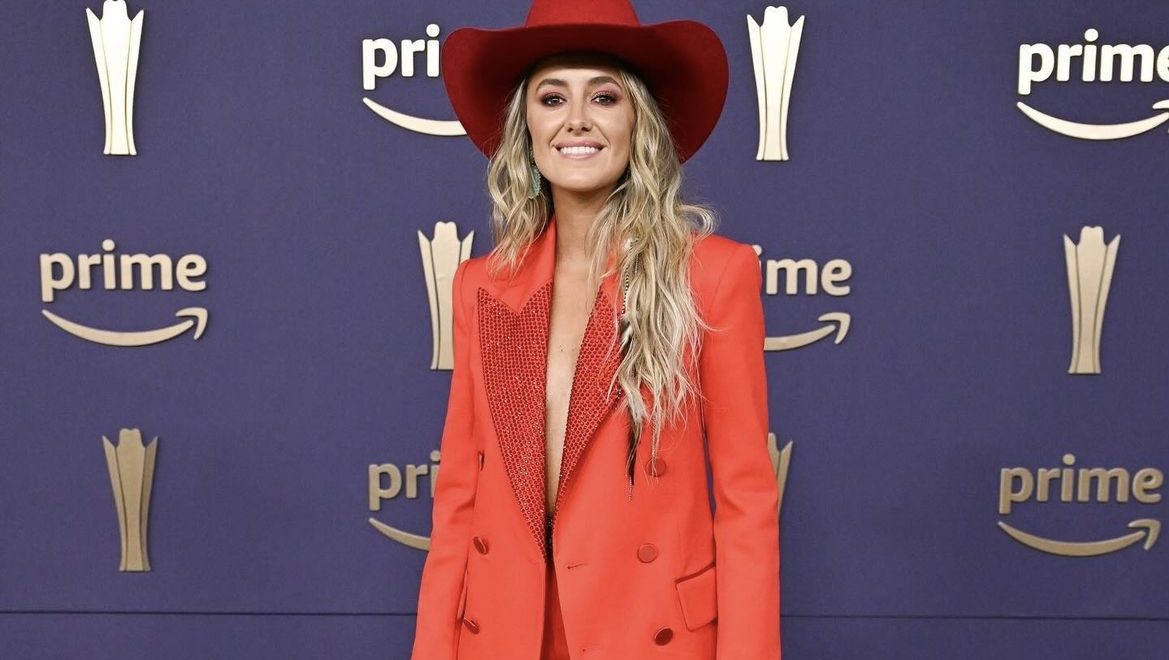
[[652, 573]]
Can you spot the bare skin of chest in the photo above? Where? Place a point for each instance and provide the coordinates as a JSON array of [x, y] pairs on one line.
[[571, 304]]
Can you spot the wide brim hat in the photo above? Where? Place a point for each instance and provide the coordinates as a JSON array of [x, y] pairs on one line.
[[682, 62]]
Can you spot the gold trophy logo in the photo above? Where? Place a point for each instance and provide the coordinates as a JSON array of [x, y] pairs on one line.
[[775, 46], [441, 257], [781, 460], [131, 468], [1089, 265], [116, 39]]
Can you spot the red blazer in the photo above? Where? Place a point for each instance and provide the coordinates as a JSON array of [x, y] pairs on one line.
[[654, 574]]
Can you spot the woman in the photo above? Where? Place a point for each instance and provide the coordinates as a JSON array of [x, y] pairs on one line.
[[606, 334]]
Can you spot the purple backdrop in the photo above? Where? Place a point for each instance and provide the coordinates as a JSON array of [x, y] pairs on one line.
[[909, 160]]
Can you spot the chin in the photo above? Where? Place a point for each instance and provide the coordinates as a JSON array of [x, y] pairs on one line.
[[590, 186]]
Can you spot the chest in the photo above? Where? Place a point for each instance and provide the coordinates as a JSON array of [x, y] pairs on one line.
[[568, 316]]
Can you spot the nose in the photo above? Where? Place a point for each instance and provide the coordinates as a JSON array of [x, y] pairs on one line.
[[578, 119]]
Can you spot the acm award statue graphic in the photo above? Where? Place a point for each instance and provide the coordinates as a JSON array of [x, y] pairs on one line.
[[116, 39], [1089, 267], [441, 257], [131, 467], [775, 46]]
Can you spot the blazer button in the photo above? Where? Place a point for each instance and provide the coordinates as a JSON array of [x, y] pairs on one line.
[[482, 457], [647, 552], [473, 626], [481, 545], [655, 467], [663, 636]]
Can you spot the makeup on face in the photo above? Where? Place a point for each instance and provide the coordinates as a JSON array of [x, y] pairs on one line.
[[581, 123]]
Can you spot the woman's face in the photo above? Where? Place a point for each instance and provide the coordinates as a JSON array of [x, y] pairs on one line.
[[581, 122]]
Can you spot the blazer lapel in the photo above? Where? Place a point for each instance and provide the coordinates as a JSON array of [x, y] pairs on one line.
[[513, 333]]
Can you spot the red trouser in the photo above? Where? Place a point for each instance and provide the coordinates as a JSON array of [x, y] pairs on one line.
[[555, 646]]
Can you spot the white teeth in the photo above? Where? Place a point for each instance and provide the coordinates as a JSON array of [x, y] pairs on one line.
[[578, 151]]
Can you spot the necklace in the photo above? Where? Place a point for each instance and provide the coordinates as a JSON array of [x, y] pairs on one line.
[[626, 335]]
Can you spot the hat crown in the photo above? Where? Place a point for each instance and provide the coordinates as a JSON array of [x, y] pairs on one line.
[[554, 12]]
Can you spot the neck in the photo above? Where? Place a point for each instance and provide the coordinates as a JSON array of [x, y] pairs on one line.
[[575, 213]]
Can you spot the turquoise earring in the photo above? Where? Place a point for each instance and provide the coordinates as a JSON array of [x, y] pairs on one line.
[[534, 189]]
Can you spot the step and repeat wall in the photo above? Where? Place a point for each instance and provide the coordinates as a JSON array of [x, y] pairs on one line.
[[228, 236]]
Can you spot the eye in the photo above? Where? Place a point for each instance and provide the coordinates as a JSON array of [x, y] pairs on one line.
[[607, 98], [544, 100]]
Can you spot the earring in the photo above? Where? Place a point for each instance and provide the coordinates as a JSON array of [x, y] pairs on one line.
[[534, 189]]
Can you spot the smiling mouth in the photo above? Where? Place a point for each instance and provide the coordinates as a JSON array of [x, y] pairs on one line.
[[578, 152]]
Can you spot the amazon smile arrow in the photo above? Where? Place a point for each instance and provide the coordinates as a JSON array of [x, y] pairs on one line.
[[198, 321], [1152, 529]]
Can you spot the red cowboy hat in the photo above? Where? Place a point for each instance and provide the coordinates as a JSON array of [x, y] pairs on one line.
[[683, 63]]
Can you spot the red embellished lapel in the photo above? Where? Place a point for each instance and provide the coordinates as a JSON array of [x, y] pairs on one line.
[[515, 356]]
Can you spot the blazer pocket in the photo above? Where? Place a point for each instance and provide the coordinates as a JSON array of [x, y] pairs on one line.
[[698, 595], [463, 596]]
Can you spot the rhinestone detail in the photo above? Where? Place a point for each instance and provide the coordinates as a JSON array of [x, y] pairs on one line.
[[514, 353]]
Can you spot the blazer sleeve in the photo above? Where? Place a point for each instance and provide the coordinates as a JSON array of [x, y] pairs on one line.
[[438, 622], [735, 415]]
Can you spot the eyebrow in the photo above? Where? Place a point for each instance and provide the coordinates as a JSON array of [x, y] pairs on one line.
[[595, 80]]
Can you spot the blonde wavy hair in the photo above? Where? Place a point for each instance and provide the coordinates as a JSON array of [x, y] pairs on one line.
[[652, 231]]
